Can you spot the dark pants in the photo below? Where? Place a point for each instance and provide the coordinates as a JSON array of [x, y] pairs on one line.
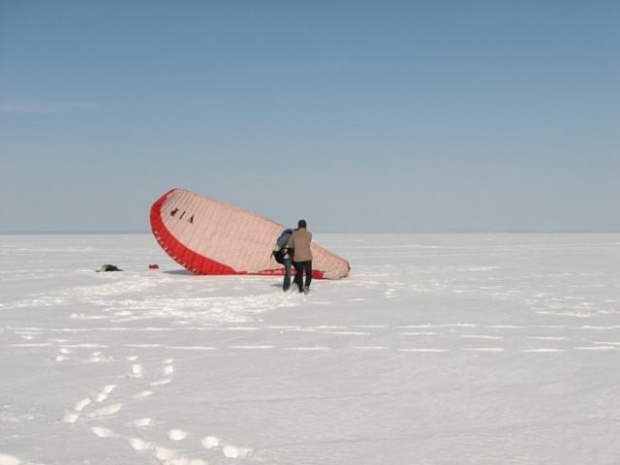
[[287, 274], [300, 268]]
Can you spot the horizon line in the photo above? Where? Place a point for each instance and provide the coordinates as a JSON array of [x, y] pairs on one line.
[[131, 232]]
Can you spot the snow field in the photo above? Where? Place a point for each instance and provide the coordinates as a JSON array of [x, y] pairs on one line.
[[439, 349]]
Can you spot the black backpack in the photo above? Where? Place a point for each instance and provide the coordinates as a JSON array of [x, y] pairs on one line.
[[280, 249]]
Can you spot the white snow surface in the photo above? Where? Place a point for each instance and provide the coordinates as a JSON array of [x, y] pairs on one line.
[[438, 349]]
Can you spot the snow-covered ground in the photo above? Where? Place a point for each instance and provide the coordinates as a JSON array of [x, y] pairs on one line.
[[438, 349]]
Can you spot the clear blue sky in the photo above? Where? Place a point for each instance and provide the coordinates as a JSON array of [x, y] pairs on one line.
[[360, 116]]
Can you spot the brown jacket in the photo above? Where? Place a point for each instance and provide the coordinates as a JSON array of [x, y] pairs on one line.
[[300, 240]]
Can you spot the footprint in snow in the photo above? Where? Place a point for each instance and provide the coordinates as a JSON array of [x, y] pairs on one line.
[[233, 452], [143, 394], [136, 371], [97, 357], [177, 435], [228, 450], [103, 393], [541, 351], [69, 417], [171, 457], [79, 406], [100, 397], [142, 422], [139, 444], [163, 453], [161, 382], [108, 388], [106, 411], [102, 432], [210, 442], [6, 459]]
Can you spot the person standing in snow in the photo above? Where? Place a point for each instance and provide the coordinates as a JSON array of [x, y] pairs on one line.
[[302, 259], [284, 255]]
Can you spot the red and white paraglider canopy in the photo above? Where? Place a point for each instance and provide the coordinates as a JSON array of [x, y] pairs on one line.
[[210, 237]]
